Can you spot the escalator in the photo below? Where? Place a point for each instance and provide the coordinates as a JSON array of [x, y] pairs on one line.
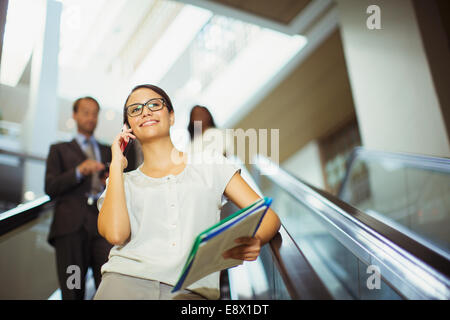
[[389, 222], [27, 261], [383, 237], [417, 203]]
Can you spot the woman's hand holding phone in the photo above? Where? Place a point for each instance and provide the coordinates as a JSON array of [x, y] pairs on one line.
[[121, 140]]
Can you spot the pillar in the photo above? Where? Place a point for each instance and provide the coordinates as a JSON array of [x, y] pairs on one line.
[[398, 102]]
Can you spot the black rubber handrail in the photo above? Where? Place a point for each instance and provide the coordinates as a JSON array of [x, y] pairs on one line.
[[299, 277], [21, 155], [26, 212], [16, 217]]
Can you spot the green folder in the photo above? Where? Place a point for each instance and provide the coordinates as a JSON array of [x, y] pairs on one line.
[[205, 256]]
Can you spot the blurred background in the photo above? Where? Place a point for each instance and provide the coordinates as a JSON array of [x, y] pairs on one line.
[[331, 76]]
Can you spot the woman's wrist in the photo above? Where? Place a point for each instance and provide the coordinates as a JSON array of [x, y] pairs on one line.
[[116, 165]]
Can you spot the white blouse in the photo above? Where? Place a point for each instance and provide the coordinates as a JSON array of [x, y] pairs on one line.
[[166, 214]]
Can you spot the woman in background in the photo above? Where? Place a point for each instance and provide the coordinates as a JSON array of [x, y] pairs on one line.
[[205, 135]]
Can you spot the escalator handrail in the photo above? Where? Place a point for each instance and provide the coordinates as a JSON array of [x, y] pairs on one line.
[[299, 277], [24, 156], [407, 159], [22, 214], [401, 257]]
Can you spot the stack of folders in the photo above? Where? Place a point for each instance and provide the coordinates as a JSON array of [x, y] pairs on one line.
[[206, 253]]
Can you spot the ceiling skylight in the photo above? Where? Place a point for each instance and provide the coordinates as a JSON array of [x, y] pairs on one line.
[[229, 63], [23, 21], [109, 46], [171, 45]]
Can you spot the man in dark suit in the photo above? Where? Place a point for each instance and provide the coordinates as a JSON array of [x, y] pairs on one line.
[[75, 178]]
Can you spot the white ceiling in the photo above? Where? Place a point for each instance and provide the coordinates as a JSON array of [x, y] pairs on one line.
[[140, 41], [109, 46]]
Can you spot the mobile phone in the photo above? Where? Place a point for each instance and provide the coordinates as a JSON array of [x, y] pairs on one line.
[[125, 146]]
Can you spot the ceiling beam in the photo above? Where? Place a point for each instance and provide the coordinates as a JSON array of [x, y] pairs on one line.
[[298, 25], [316, 36]]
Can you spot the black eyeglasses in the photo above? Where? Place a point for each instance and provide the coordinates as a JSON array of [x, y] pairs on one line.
[[154, 104]]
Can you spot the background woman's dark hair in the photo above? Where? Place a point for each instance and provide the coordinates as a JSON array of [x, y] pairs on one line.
[[191, 122], [154, 88]]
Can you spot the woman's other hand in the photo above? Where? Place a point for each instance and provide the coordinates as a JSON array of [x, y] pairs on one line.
[[248, 249]]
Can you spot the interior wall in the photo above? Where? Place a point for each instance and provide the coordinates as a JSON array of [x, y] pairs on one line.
[[433, 20], [306, 165], [395, 98], [283, 11], [314, 100]]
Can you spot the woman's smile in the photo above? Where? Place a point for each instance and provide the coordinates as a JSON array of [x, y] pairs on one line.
[[148, 123]]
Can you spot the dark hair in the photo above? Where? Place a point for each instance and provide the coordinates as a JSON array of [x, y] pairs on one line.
[[191, 123], [77, 103], [154, 88]]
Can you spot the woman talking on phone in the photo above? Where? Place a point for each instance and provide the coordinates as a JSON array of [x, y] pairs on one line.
[[152, 214]]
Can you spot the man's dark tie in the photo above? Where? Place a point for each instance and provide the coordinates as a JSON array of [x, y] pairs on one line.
[[96, 185]]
